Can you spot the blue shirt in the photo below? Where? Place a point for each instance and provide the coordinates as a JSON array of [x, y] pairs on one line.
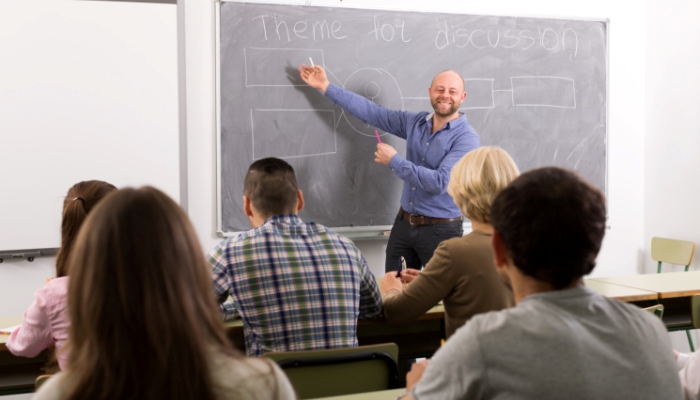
[[429, 157], [296, 286]]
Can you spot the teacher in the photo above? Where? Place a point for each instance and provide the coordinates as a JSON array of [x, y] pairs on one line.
[[434, 143]]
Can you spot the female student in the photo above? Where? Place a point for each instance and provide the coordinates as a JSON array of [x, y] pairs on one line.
[[144, 320], [461, 272], [46, 320]]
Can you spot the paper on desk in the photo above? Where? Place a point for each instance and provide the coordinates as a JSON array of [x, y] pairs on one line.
[[9, 330]]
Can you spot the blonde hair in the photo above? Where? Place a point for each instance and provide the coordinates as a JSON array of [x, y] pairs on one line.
[[477, 178]]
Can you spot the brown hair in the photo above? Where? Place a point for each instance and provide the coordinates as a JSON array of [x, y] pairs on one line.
[[80, 199], [143, 316], [552, 223], [271, 186]]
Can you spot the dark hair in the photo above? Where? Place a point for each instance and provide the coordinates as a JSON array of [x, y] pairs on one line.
[[271, 186], [143, 316], [552, 223], [80, 199]]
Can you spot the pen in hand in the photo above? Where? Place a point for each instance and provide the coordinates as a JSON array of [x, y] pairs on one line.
[[402, 267]]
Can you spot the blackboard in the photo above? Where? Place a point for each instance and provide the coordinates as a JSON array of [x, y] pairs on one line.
[[537, 87], [89, 91]]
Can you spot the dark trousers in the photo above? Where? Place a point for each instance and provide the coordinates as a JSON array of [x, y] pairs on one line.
[[417, 243]]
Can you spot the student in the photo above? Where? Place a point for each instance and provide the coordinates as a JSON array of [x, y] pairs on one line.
[[296, 285], [144, 321], [434, 143], [46, 320], [561, 340], [461, 272]]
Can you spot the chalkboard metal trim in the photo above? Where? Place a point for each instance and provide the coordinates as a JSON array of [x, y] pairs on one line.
[[141, 1], [427, 10], [182, 104], [29, 254], [359, 232], [217, 93]]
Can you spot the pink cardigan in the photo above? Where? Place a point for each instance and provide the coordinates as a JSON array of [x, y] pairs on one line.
[[45, 322]]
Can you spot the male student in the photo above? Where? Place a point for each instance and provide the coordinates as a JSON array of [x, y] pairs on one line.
[[561, 340], [434, 143], [296, 285]]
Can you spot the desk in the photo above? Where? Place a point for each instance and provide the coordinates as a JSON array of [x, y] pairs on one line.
[[17, 374], [420, 338], [668, 285], [673, 289], [381, 395], [619, 292]]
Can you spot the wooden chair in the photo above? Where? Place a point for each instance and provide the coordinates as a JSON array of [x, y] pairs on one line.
[[672, 251], [335, 372], [657, 310], [40, 380]]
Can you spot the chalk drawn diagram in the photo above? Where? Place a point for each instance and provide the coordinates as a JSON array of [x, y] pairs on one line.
[[526, 91], [270, 139]]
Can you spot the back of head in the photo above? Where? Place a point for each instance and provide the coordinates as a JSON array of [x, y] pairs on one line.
[[80, 200], [477, 178], [271, 186], [140, 301], [552, 223]]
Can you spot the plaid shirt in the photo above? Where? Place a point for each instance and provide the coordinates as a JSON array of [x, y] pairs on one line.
[[296, 286]]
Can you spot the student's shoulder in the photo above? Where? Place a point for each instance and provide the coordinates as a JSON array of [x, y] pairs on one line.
[[248, 378], [52, 389]]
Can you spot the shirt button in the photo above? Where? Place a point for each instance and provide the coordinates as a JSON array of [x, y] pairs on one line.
[[422, 159], [427, 144], [411, 203], [414, 188]]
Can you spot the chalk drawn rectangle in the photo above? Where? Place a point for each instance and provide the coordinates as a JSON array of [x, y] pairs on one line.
[[479, 93], [313, 133], [272, 67], [543, 91]]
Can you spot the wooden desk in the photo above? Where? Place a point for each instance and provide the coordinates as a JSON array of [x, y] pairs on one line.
[[668, 285], [381, 395], [622, 293], [420, 338], [673, 289], [17, 374]]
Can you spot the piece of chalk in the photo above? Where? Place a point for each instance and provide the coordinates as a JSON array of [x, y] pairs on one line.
[[377, 135], [312, 63]]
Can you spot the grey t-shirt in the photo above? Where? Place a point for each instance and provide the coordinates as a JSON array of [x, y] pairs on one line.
[[569, 344]]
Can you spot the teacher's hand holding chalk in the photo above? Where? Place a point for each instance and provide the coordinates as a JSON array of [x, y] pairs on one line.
[[314, 76], [384, 153]]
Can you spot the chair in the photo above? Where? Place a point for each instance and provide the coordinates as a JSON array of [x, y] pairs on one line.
[[672, 251], [335, 372], [695, 311], [40, 380], [657, 310]]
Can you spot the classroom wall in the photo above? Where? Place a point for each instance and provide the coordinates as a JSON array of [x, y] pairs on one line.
[[672, 119], [624, 247], [622, 252]]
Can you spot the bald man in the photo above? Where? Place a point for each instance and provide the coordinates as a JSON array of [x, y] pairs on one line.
[[434, 143]]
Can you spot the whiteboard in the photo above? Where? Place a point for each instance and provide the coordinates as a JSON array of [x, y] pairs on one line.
[[88, 90]]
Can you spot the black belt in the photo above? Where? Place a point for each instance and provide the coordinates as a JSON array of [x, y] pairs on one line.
[[415, 219]]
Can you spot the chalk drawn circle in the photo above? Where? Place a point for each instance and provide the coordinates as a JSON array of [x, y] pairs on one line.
[[377, 85]]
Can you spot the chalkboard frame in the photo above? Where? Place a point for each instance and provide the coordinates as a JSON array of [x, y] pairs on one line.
[[381, 231]]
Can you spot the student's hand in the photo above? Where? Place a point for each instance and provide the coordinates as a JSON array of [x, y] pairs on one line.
[[391, 281], [409, 275], [315, 77], [415, 373], [384, 153]]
